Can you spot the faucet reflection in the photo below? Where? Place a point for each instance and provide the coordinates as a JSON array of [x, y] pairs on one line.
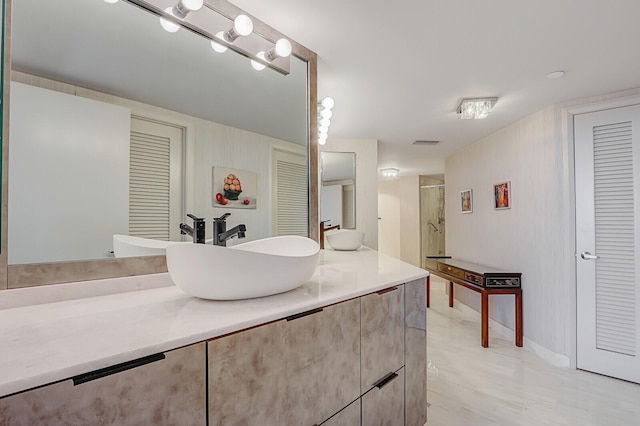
[[220, 233]]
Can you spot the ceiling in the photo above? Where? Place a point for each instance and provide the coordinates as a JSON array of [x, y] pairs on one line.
[[397, 70]]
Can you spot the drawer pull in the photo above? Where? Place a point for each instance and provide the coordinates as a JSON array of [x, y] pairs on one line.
[[385, 380], [107, 371], [304, 314], [386, 290]]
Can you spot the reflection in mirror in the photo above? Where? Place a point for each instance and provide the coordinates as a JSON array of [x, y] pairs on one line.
[[115, 126], [338, 192]]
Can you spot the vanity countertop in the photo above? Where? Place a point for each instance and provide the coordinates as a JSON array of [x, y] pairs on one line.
[[48, 342]]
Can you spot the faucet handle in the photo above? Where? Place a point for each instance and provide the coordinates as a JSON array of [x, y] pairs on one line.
[[197, 219], [223, 217]]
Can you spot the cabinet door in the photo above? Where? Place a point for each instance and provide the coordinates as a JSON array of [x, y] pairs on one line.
[[165, 392], [384, 404], [415, 337], [382, 335], [297, 371], [349, 416]]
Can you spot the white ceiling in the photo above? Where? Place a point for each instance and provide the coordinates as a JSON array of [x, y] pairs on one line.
[[397, 70]]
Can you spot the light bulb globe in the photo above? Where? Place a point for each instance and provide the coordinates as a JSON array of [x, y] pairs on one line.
[[243, 25], [326, 113], [283, 48], [257, 65], [220, 48], [328, 102], [325, 122], [192, 4], [170, 27], [322, 141], [323, 129], [111, 1]]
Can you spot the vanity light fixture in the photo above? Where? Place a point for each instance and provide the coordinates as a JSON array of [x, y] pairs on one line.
[[324, 119], [180, 11], [476, 108], [282, 49], [389, 173]]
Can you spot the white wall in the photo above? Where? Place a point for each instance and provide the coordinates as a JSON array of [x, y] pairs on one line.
[[65, 152], [399, 206], [366, 183], [331, 208], [532, 236]]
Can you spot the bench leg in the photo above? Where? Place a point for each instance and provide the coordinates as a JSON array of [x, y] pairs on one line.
[[450, 294], [519, 329], [428, 289], [485, 319]]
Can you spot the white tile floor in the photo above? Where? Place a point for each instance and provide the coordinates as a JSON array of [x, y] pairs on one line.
[[505, 385]]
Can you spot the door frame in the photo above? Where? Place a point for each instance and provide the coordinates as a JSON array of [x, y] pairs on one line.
[[568, 111]]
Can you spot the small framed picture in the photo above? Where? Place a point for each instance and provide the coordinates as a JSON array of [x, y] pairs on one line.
[[502, 195], [466, 200]]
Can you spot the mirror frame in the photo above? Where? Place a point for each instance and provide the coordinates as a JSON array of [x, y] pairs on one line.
[[19, 276]]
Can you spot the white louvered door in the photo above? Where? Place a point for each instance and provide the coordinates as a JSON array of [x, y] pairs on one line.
[[607, 149], [155, 180], [290, 194]]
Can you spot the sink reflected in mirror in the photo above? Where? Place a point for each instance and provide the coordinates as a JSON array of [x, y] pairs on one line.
[[345, 239], [253, 269]]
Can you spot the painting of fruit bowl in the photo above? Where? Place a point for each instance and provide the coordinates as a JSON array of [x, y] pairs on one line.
[[233, 188]]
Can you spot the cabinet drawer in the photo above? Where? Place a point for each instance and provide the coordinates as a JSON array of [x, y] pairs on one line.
[[384, 405], [451, 270], [166, 392], [473, 278], [382, 335]]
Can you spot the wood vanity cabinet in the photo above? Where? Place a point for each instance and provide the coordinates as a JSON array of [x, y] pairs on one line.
[[349, 416], [300, 370], [167, 391]]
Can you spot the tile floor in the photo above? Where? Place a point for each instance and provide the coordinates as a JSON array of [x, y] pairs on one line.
[[505, 385]]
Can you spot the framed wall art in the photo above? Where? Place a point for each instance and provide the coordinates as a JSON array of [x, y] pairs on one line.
[[502, 195], [466, 200]]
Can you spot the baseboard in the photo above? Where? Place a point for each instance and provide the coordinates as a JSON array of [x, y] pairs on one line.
[[555, 359]]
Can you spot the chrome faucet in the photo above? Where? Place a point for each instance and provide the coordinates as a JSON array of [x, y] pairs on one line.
[[197, 231], [220, 233]]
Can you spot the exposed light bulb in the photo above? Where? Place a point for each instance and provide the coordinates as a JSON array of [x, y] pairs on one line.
[[170, 27], [111, 1], [323, 129], [323, 135], [257, 65], [325, 122], [326, 113], [322, 141], [243, 25], [283, 48], [220, 48], [328, 102]]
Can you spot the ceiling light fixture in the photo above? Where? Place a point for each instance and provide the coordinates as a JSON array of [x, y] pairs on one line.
[[476, 108], [389, 173], [111, 1], [180, 11], [555, 74], [324, 119]]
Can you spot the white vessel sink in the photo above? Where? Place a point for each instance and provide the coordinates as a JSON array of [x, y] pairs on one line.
[[129, 246], [254, 269], [345, 239]]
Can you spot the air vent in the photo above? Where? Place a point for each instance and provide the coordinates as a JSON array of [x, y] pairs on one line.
[[426, 143]]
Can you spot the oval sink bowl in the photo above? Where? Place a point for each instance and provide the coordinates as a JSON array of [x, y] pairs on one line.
[[254, 269], [345, 239], [129, 246]]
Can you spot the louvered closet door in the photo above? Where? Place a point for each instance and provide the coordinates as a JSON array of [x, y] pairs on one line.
[[155, 180], [607, 145], [291, 194]]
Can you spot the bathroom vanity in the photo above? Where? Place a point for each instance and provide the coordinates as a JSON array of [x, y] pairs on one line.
[[347, 347]]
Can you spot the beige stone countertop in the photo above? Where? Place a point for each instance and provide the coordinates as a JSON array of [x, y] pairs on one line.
[[56, 332]]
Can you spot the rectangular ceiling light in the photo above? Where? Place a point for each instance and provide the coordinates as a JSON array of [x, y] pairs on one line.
[[476, 108]]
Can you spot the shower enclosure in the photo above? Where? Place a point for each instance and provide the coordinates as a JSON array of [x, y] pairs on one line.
[[432, 224]]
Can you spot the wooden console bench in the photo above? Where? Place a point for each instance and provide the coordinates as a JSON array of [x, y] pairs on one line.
[[481, 279]]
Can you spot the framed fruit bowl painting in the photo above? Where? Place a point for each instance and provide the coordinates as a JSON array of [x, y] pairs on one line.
[[234, 188], [502, 195]]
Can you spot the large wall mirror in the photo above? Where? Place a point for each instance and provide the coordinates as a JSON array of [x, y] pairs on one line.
[[116, 127], [338, 192]]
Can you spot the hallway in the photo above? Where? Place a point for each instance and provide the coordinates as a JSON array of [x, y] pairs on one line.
[[505, 385]]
